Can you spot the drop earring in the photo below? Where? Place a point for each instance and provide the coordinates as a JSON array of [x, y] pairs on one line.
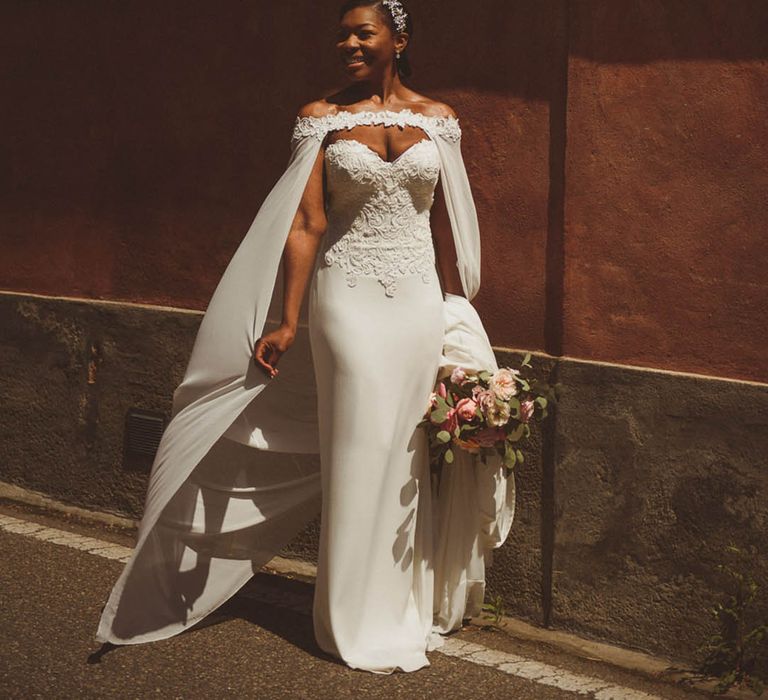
[[397, 55]]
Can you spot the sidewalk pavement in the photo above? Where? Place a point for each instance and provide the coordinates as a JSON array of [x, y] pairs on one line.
[[58, 571]]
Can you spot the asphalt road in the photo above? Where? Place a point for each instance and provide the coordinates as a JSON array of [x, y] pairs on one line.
[[252, 647]]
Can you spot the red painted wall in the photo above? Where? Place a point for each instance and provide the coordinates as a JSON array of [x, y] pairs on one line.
[[667, 185], [621, 211]]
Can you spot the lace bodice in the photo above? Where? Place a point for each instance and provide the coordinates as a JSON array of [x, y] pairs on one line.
[[378, 211]]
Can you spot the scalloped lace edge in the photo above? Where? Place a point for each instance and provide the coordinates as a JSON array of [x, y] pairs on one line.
[[318, 127]]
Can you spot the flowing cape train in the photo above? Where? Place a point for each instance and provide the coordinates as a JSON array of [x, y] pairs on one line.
[[236, 475]]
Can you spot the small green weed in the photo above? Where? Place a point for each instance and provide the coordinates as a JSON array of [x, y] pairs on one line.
[[494, 610], [732, 654]]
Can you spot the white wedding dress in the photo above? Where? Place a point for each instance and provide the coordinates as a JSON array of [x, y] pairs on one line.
[[376, 328], [400, 560]]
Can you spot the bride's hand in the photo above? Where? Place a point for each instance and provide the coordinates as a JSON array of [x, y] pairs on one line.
[[269, 348]]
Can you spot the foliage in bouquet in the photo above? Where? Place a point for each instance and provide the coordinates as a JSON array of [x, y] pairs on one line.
[[485, 413]]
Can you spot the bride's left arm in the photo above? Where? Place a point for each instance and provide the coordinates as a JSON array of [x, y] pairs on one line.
[[445, 249]]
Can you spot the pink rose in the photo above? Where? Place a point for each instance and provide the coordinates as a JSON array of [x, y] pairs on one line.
[[503, 383], [466, 409], [496, 412], [458, 376], [526, 410], [484, 398], [451, 421]]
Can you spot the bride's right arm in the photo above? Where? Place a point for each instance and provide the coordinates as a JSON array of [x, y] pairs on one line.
[[299, 254]]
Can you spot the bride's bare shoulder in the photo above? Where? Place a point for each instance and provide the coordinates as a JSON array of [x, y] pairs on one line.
[[318, 108], [432, 108], [440, 109]]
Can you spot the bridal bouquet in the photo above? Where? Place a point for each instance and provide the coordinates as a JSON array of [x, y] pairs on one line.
[[483, 413]]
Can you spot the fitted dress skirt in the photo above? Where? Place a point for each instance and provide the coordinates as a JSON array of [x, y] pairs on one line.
[[376, 358]]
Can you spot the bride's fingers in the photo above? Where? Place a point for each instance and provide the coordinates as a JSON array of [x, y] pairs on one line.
[[260, 353], [273, 359]]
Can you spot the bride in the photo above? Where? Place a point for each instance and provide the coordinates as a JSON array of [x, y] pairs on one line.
[[346, 300]]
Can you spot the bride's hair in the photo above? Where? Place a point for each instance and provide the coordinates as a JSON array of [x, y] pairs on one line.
[[403, 63]]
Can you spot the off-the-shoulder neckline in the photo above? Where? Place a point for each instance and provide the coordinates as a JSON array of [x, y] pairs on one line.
[[446, 126], [388, 112]]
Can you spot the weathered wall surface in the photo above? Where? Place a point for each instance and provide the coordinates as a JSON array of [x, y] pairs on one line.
[[69, 372], [666, 205], [655, 475]]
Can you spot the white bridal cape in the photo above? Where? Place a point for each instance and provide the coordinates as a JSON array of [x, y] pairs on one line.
[[236, 478]]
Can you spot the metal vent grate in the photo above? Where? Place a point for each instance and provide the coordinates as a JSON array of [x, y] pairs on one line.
[[143, 430]]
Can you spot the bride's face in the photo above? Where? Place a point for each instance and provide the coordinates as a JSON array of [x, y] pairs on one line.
[[366, 44]]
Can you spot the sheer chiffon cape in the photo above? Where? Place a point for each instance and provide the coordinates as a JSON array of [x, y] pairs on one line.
[[226, 412]]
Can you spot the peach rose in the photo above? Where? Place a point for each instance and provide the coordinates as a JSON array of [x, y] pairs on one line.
[[498, 414], [503, 383], [484, 398]]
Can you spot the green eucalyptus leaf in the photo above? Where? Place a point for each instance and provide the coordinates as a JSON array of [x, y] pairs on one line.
[[444, 436], [449, 456], [438, 415]]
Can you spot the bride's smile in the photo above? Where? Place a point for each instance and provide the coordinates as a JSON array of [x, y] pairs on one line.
[[367, 45]]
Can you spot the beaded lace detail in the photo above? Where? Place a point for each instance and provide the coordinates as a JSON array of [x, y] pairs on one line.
[[318, 127], [378, 212]]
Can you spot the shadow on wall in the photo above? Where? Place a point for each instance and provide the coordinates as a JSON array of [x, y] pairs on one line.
[[642, 31]]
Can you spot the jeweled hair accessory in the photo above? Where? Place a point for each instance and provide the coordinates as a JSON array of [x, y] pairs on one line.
[[399, 15]]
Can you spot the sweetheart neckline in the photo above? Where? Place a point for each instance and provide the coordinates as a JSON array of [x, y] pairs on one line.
[[378, 155]]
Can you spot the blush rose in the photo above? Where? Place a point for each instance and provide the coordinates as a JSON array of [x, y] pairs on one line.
[[466, 409], [503, 383]]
